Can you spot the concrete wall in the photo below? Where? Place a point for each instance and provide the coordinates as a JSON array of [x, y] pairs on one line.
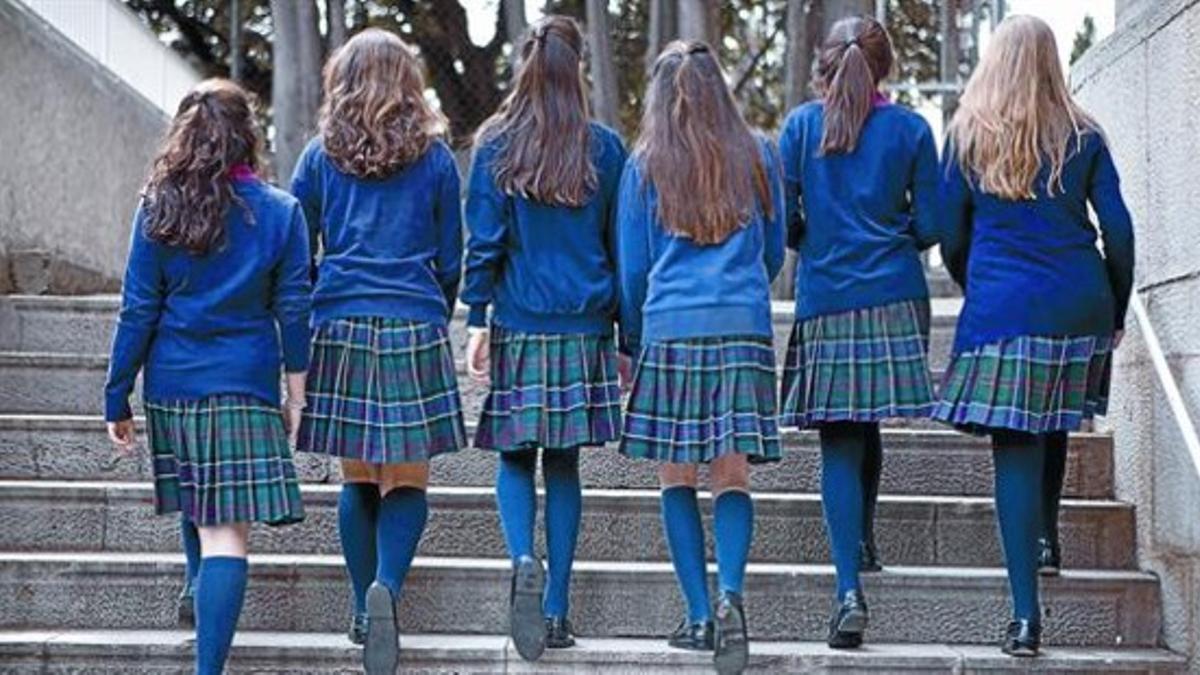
[[1143, 84], [76, 146]]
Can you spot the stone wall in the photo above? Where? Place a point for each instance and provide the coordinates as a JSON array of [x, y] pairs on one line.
[[76, 146], [1143, 84]]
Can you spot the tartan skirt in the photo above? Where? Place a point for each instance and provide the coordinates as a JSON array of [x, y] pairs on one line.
[[699, 399], [223, 459], [1031, 384], [864, 365], [550, 391], [382, 391]]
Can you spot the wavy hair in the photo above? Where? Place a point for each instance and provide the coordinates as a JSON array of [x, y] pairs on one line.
[[188, 192], [542, 127], [856, 56], [375, 120], [1016, 114], [702, 158]]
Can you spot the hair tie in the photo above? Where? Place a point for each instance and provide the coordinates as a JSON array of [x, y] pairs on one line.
[[698, 49], [852, 42]]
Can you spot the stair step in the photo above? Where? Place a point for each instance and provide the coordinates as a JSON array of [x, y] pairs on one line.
[[1096, 608], [618, 524], [146, 652], [916, 461]]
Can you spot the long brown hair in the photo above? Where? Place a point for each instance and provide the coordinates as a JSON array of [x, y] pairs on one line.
[[856, 57], [1016, 113], [188, 193], [698, 152], [542, 127], [375, 119]]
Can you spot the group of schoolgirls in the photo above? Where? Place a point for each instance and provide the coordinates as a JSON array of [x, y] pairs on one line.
[[677, 245]]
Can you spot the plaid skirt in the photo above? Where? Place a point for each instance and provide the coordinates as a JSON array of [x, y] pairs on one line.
[[1032, 384], [864, 365], [550, 391], [699, 399], [382, 391], [223, 459]]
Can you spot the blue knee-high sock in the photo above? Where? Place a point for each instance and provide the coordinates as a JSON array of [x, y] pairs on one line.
[[1052, 482], [358, 509], [220, 590], [872, 470], [564, 508], [190, 538], [843, 448], [398, 529], [516, 499], [733, 529], [1019, 463], [685, 538]]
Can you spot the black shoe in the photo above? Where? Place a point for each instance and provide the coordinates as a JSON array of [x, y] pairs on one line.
[[381, 649], [697, 637], [558, 633], [1024, 638], [187, 606], [731, 644], [1049, 558], [868, 557], [849, 622], [526, 625], [358, 628]]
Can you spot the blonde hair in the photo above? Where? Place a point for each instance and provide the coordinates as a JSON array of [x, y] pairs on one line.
[[1016, 113]]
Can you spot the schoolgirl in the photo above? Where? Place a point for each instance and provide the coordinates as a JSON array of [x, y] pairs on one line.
[[382, 193], [540, 210], [861, 182], [216, 290], [701, 236], [1043, 307]]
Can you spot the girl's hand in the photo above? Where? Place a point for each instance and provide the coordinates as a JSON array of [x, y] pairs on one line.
[[291, 421], [625, 371], [478, 354], [1118, 336], [123, 437]]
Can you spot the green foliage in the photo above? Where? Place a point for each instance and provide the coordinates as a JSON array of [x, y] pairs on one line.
[[1085, 37]]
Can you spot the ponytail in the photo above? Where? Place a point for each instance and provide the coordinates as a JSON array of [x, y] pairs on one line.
[[856, 56]]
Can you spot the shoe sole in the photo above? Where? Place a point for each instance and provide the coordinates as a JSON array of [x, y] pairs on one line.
[[381, 652], [1020, 652], [1048, 571], [731, 651], [875, 569], [526, 625], [849, 632]]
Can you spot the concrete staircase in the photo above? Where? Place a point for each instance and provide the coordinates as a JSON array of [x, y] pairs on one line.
[[88, 576]]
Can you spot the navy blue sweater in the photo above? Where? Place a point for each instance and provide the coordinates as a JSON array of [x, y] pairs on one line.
[[859, 220], [547, 269], [212, 324], [391, 247], [672, 288], [1031, 267]]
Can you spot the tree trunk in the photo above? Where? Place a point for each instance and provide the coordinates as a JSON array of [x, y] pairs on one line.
[[698, 20], [604, 76], [235, 40], [295, 84], [335, 13], [948, 61], [515, 24], [664, 27], [801, 42], [312, 54]]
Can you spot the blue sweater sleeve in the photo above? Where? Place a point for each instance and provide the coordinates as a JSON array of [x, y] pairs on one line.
[[924, 189], [306, 187], [633, 255], [448, 213], [616, 164], [954, 217], [791, 151], [487, 225], [1116, 229], [142, 296], [774, 231], [291, 292]]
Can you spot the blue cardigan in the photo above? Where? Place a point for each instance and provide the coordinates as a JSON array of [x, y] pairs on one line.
[[861, 219], [1031, 267], [547, 269], [213, 324], [391, 247], [673, 289]]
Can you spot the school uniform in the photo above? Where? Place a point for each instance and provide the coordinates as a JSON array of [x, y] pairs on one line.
[[548, 273], [383, 387], [209, 331]]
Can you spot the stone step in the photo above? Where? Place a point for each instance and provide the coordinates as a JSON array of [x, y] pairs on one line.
[[156, 652], [1099, 608], [618, 524], [926, 461]]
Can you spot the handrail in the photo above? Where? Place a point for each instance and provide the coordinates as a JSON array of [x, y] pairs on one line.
[[1167, 380]]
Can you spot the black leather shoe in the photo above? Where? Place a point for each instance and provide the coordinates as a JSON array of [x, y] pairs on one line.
[[187, 606], [868, 557], [1049, 558], [1024, 638], [526, 624], [358, 629], [731, 644], [558, 633], [697, 637], [849, 621], [381, 650]]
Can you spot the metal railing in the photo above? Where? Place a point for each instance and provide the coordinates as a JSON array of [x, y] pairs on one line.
[[1167, 379]]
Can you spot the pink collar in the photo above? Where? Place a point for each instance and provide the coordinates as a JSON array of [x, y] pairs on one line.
[[241, 173], [879, 99]]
